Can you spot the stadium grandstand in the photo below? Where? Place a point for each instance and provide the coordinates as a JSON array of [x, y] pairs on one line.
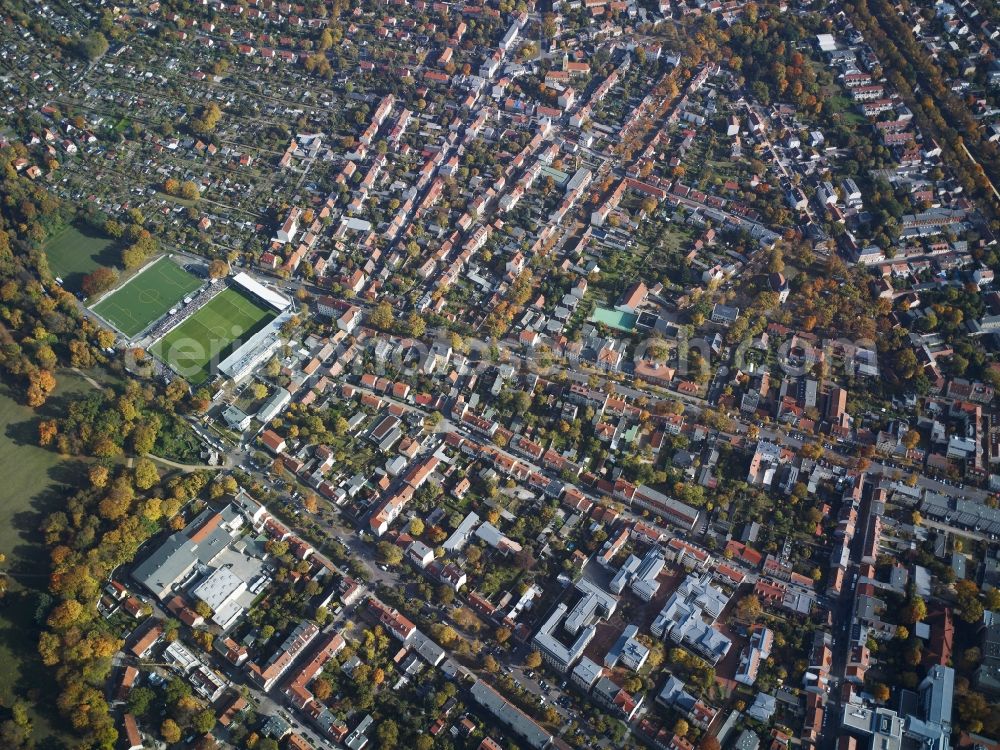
[[253, 352], [261, 292]]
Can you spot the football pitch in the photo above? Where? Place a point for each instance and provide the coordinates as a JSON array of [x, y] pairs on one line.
[[211, 334], [147, 296], [78, 250]]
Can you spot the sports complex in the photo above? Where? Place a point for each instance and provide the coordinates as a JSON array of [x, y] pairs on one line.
[[147, 296], [196, 327]]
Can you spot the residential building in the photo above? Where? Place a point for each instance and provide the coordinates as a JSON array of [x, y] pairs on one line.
[[274, 405], [608, 694], [687, 616], [235, 418], [755, 652], [294, 644], [511, 716]]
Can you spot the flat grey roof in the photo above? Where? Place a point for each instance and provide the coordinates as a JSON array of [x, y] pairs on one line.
[[510, 715]]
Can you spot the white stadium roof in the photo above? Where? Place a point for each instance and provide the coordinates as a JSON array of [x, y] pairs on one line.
[[274, 299]]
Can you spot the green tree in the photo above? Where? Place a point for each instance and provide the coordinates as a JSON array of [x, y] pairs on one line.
[[444, 594], [382, 316], [389, 554], [16, 732], [388, 735], [208, 120], [140, 699], [416, 325], [146, 475], [967, 596], [521, 402], [444, 634], [204, 721], [749, 609], [93, 45], [170, 731], [189, 190], [175, 690], [658, 350], [915, 611], [973, 709]]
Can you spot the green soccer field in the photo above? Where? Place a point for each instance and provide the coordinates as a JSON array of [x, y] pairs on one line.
[[194, 347], [78, 250], [147, 296]]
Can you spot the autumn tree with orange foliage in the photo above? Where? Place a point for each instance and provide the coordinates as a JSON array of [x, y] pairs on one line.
[[47, 431], [40, 384]]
